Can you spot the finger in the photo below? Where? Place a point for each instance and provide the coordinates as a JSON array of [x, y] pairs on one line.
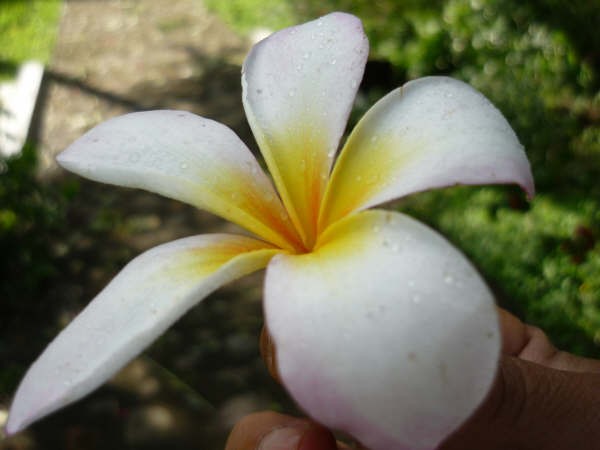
[[534, 407], [532, 344], [267, 351], [273, 431]]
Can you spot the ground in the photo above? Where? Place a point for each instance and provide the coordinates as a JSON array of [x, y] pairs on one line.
[[113, 57]]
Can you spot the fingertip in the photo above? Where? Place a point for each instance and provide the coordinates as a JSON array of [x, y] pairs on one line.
[[317, 437], [514, 333], [272, 431]]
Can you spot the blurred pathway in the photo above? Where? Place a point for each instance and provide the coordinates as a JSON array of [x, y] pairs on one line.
[[112, 57], [116, 56]]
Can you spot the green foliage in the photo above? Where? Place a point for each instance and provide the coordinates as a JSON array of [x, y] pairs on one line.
[[538, 62], [31, 216], [250, 14], [27, 31]]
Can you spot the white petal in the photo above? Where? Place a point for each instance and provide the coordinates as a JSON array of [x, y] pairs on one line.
[[149, 294], [185, 157], [299, 86], [385, 331], [432, 132]]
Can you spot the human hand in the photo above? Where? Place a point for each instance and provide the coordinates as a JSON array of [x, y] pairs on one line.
[[542, 399]]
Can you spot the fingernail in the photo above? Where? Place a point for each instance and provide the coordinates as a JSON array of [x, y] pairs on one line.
[[281, 439]]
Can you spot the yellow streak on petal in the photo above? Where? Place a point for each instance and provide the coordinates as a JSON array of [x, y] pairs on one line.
[[347, 239], [203, 261], [235, 196], [366, 166], [298, 161]]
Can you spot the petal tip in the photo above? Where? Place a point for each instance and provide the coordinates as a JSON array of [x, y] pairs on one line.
[[13, 426]]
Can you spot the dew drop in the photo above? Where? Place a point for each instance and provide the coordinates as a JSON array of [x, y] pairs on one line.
[[291, 93], [376, 229], [306, 55], [448, 279], [333, 62], [183, 166], [374, 138]]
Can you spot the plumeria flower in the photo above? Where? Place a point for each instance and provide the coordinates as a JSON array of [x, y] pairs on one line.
[[381, 328]]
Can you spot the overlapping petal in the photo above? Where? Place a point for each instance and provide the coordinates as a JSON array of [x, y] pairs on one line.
[[188, 158], [149, 294], [384, 331], [298, 88], [432, 132]]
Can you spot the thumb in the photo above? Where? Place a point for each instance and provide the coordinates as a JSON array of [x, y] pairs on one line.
[[534, 407]]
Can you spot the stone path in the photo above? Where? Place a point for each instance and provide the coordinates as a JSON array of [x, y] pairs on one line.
[[115, 56]]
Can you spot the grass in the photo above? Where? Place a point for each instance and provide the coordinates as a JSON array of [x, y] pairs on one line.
[[28, 30]]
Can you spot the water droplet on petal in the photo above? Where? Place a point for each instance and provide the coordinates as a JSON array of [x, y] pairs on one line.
[[183, 166]]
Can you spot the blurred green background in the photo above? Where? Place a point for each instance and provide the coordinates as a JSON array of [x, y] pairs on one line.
[[537, 60]]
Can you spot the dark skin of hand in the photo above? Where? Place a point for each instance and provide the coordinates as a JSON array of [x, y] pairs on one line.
[[542, 399]]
